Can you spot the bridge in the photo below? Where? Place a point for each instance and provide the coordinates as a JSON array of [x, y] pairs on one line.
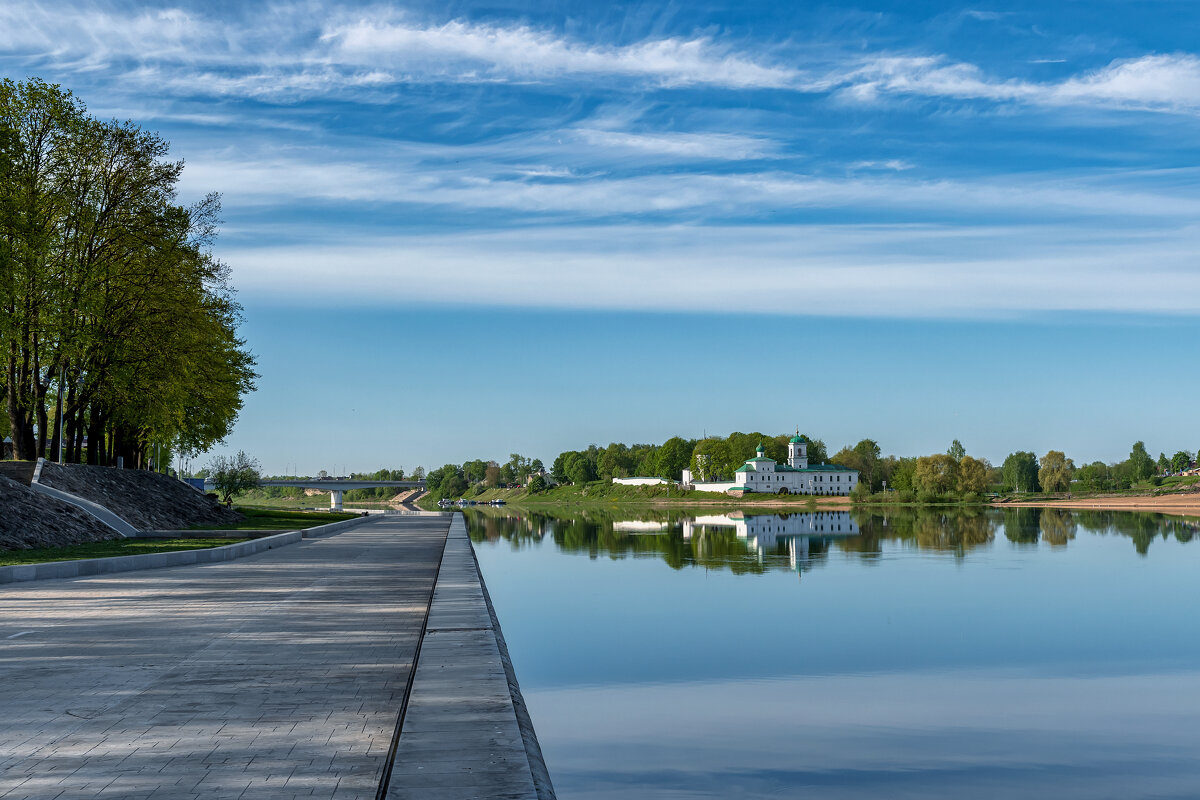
[[338, 486]]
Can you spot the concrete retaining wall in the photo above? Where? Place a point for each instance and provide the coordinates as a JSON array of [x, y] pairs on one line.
[[104, 566]]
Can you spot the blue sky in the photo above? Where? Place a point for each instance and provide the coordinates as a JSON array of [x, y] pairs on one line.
[[523, 226]]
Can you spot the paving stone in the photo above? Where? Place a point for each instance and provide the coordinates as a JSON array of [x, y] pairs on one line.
[[279, 675]]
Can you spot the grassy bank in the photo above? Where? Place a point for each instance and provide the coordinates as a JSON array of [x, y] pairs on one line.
[[261, 519], [606, 494], [116, 547], [603, 494]]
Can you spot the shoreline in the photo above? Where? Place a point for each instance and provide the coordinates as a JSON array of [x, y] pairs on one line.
[[1181, 505]]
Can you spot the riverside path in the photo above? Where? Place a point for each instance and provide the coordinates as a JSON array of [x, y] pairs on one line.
[[280, 675]]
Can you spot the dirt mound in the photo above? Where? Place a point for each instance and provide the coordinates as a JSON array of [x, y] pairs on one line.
[[146, 500], [35, 520]]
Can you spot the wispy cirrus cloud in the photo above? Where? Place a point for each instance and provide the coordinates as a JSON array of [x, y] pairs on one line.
[[294, 51], [683, 145], [878, 271], [1154, 82], [524, 52], [454, 180]]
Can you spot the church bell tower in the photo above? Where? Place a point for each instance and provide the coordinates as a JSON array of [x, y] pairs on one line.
[[798, 452]]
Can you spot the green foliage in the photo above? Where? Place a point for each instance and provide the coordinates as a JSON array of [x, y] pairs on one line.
[[1180, 461], [1055, 472], [972, 475], [1020, 471], [375, 493], [110, 298], [234, 475], [935, 475], [956, 451], [448, 482], [712, 459], [1141, 465], [579, 468], [673, 457]]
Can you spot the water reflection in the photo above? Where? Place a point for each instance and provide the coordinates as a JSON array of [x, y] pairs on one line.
[[752, 543], [932, 653]]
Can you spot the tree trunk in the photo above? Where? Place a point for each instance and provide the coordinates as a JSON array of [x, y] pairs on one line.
[[18, 412], [96, 454]]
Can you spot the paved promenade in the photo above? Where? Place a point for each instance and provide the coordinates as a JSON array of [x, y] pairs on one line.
[[277, 676]]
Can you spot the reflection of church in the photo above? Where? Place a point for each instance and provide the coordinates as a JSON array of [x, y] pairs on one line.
[[763, 531]]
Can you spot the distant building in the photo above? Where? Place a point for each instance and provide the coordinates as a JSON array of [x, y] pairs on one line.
[[764, 475], [546, 477], [638, 480]]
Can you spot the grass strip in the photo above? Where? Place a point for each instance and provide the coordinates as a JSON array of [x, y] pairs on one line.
[[260, 519], [108, 549]]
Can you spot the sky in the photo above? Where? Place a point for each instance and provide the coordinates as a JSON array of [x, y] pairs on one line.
[[461, 230]]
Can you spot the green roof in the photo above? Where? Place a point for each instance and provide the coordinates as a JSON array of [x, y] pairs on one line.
[[747, 467], [797, 439]]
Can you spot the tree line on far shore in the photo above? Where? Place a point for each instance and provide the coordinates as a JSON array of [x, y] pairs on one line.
[[117, 324], [939, 475]]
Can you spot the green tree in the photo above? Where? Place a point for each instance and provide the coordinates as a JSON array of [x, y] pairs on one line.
[[579, 469], [936, 474], [111, 304], [1164, 464], [712, 459], [1055, 472], [1180, 461], [475, 471], [1095, 477], [615, 461], [491, 475], [234, 475], [868, 454], [673, 458], [972, 475], [1020, 471], [901, 475], [956, 451], [1140, 462]]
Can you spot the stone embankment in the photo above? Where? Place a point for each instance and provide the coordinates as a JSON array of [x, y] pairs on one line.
[[28, 519], [147, 500]]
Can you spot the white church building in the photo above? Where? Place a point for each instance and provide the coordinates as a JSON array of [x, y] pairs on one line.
[[764, 475]]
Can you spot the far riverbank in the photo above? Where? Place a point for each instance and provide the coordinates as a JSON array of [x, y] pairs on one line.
[[659, 498]]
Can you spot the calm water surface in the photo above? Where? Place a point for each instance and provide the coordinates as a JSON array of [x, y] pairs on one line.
[[1018, 653]]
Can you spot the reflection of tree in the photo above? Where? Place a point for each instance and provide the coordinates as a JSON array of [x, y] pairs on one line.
[[1058, 527], [943, 530], [954, 531], [1022, 525]]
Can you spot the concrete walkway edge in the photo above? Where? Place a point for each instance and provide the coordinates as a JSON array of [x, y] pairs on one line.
[[465, 732], [537, 764]]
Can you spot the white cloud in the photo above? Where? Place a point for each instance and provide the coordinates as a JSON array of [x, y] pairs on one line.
[[902, 271], [292, 51], [717, 146], [481, 182], [894, 164], [1163, 81], [525, 52], [1156, 82]]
